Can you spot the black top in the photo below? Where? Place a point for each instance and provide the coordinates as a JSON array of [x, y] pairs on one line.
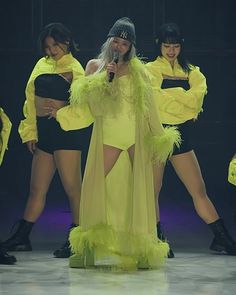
[[171, 83], [52, 86]]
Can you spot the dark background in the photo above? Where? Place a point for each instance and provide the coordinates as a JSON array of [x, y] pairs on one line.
[[210, 40]]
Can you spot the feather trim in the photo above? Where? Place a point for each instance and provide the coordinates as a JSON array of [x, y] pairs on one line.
[[122, 246], [161, 147], [142, 89], [105, 98]]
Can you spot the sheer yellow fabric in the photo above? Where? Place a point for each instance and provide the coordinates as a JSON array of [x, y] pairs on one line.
[[5, 133], [117, 213]]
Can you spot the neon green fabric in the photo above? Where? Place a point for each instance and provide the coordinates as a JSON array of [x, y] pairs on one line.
[[5, 133], [67, 117], [232, 172], [117, 212], [177, 105]]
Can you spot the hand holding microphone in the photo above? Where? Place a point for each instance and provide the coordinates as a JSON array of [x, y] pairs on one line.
[[115, 60]]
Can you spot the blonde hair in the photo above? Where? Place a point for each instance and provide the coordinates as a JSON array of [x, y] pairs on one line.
[[106, 54]]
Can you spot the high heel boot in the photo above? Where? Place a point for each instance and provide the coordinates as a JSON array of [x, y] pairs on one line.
[[222, 241], [19, 241], [162, 237], [65, 251]]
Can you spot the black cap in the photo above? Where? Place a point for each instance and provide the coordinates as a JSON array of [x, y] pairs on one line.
[[123, 28]]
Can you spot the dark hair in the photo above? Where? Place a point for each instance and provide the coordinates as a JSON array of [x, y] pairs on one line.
[[170, 33], [60, 33]]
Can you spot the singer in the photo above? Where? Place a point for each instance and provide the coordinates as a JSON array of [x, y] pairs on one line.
[[117, 212]]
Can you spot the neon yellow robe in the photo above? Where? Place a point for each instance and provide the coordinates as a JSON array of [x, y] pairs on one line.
[[176, 105], [5, 133], [68, 118], [117, 213]]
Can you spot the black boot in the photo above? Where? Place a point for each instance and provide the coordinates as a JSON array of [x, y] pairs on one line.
[[20, 239], [65, 251], [162, 237], [222, 241], [5, 258]]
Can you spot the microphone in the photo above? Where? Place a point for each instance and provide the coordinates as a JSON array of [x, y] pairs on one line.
[[115, 59]]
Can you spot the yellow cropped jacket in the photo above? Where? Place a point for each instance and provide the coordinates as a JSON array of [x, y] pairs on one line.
[[177, 105], [69, 118], [5, 133]]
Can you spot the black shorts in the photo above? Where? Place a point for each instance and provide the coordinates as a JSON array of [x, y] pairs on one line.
[[185, 130], [52, 137]]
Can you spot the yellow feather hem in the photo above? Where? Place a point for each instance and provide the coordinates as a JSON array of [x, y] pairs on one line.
[[127, 251], [161, 147]]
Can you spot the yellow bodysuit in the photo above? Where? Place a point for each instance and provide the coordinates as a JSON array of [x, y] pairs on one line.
[[119, 131]]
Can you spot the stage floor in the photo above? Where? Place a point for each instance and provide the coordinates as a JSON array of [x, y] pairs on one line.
[[194, 270], [38, 273]]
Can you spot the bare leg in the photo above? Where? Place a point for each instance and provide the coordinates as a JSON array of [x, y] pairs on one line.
[[158, 172], [43, 169], [188, 170], [111, 154], [68, 163], [131, 152]]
